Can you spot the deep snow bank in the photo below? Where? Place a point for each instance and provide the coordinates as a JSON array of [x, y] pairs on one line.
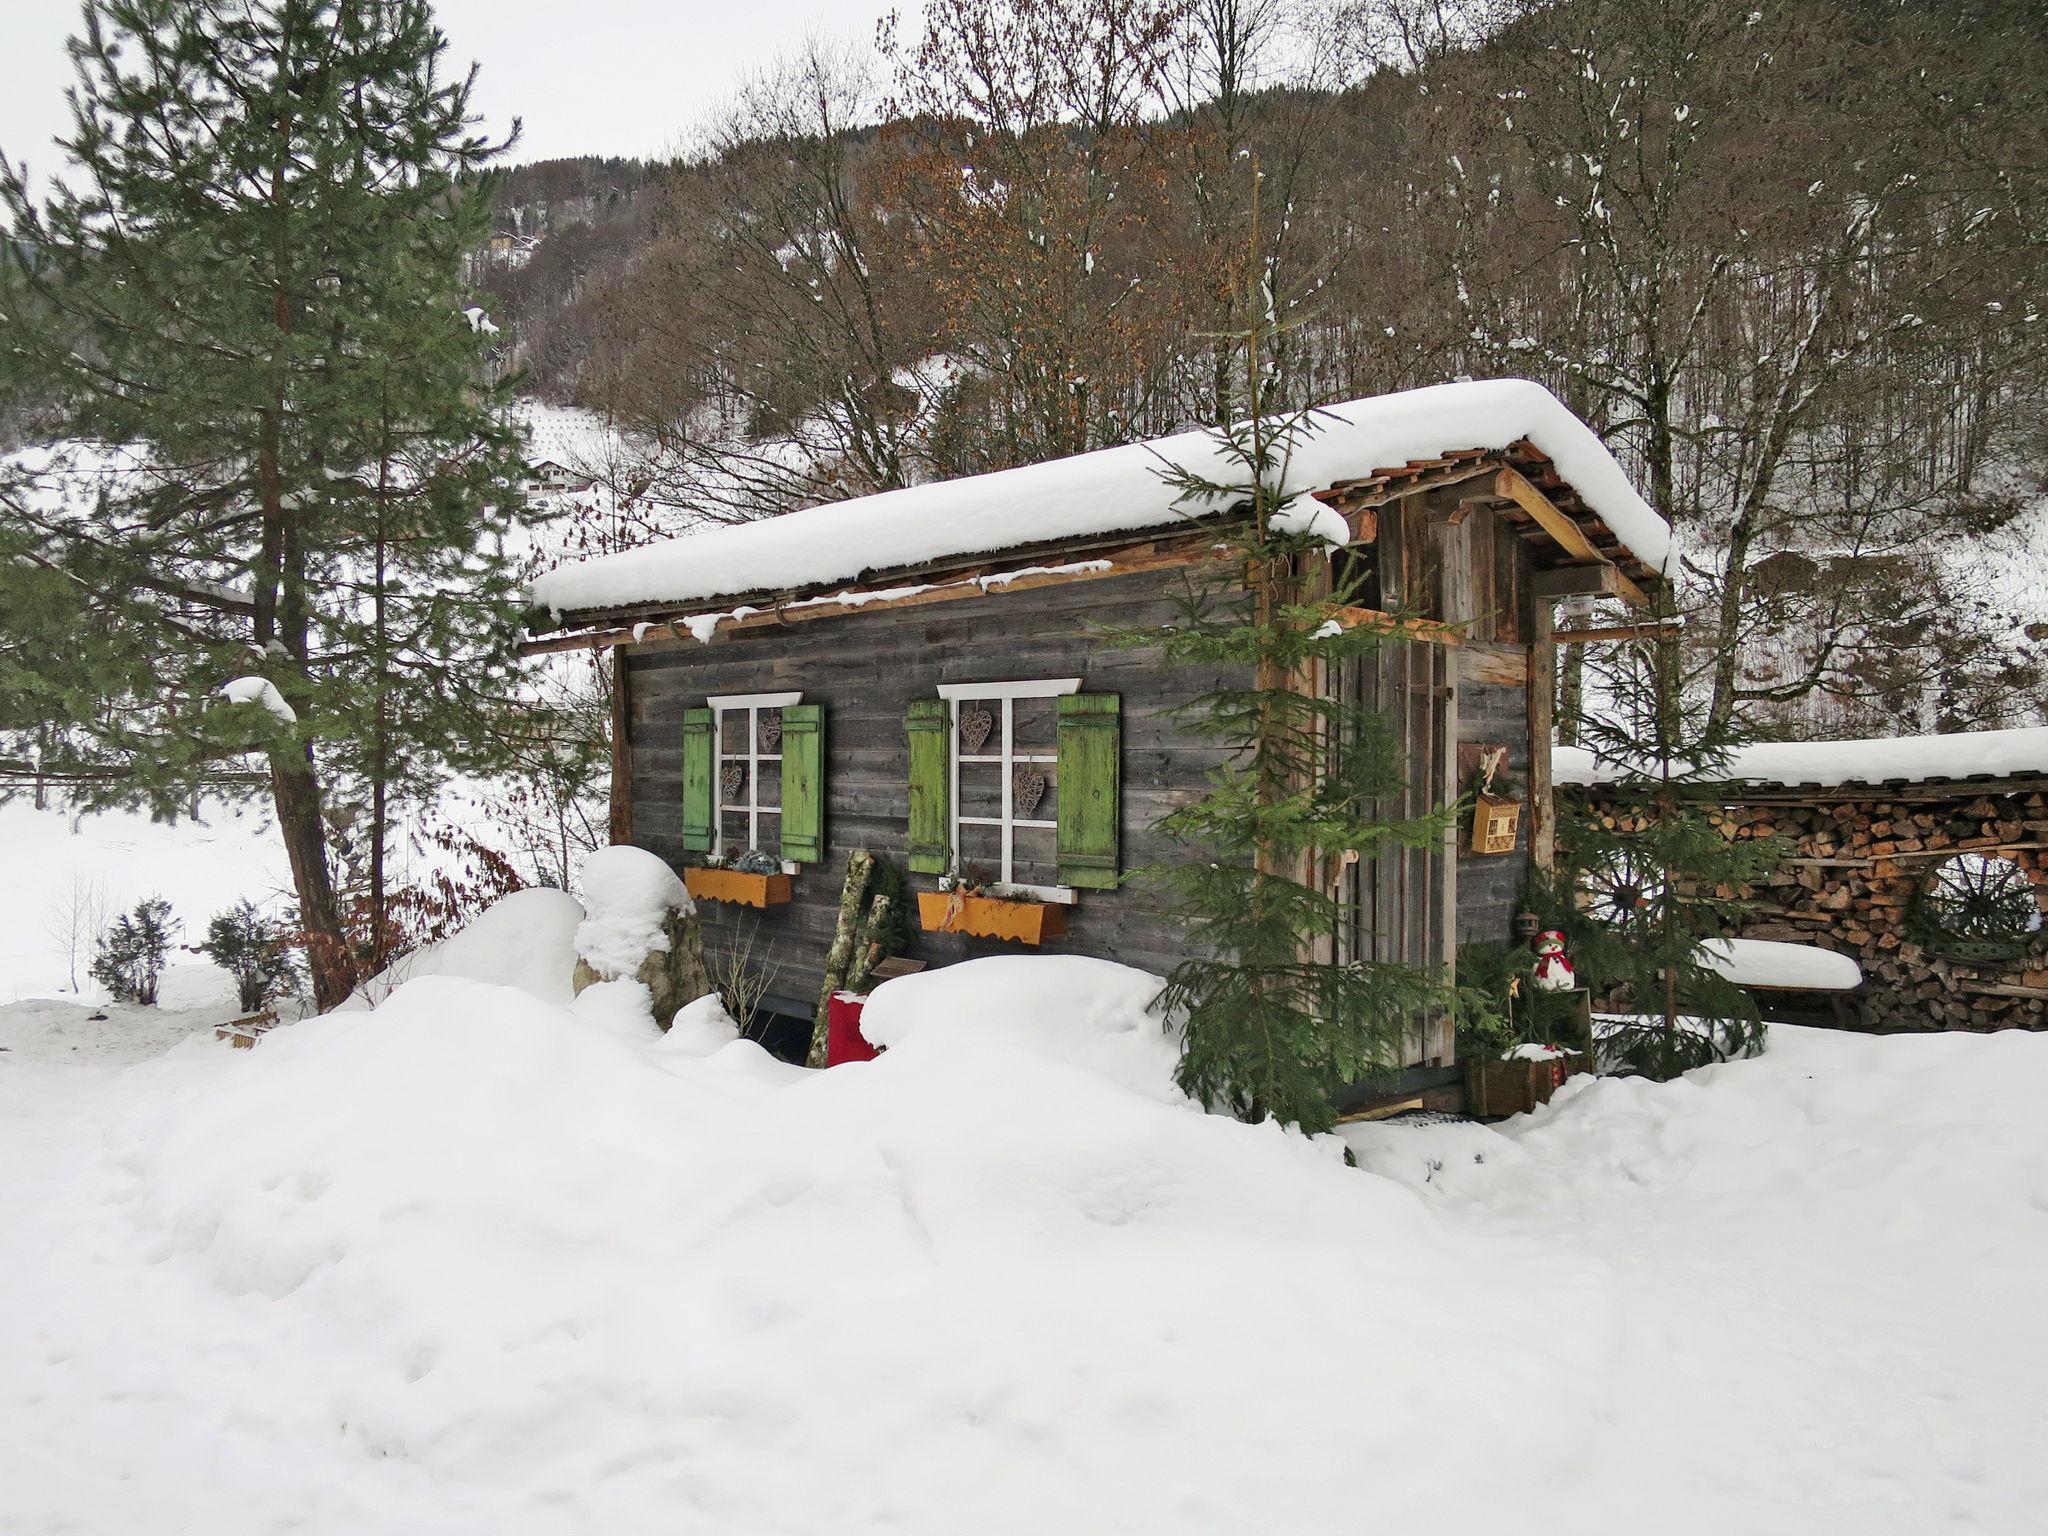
[[477, 1262], [972, 1283]]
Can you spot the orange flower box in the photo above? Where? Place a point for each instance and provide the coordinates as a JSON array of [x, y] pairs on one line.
[[737, 887], [991, 917]]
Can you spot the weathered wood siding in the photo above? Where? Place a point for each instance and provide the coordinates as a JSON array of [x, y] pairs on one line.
[[865, 669], [1493, 710]]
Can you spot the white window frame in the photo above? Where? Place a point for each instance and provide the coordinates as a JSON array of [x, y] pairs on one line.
[[751, 705], [1007, 757]]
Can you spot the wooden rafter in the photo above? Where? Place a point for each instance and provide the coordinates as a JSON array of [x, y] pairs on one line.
[[1513, 485]]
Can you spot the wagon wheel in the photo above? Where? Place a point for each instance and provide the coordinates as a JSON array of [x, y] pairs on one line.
[[1621, 888], [1983, 899]]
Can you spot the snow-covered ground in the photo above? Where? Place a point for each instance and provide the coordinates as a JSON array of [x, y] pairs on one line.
[[476, 1262], [100, 865]]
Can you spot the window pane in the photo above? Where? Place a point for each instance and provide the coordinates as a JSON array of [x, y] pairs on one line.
[[1033, 857], [1033, 724], [981, 789], [732, 782], [981, 853], [981, 727], [732, 827], [770, 791], [1034, 792]]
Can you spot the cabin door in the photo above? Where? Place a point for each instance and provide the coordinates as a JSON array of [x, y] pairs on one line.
[[1405, 902]]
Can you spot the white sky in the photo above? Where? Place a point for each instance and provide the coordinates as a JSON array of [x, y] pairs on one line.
[[622, 77]]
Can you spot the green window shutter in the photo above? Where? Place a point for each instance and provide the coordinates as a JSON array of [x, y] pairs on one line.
[[931, 777], [803, 783], [1090, 738], [698, 809]]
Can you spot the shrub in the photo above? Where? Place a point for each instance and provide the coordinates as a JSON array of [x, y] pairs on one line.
[[129, 957], [256, 951]]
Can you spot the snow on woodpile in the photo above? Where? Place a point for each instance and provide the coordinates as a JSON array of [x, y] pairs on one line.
[[628, 894], [1875, 760], [1113, 490], [1772, 963]]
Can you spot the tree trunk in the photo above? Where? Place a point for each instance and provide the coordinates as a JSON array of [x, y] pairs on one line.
[[859, 865], [295, 793]]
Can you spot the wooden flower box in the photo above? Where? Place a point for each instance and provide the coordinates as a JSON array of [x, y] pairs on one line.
[[991, 917], [736, 886]]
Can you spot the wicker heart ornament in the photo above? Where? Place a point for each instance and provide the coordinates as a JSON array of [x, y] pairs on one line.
[[730, 781], [1027, 788], [771, 732], [975, 724]]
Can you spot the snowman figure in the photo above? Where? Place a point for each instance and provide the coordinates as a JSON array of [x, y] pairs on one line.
[[1553, 970]]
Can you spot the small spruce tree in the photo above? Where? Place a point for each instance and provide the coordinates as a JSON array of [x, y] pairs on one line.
[[1272, 1023], [129, 960], [255, 951], [1646, 875]]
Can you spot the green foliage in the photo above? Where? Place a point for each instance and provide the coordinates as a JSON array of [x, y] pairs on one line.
[[255, 951], [1636, 898], [1268, 1030], [1494, 1003], [129, 960], [270, 449]]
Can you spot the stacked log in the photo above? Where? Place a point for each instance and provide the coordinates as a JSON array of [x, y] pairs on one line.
[[1857, 859]]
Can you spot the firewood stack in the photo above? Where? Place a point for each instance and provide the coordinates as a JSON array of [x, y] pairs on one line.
[[1861, 856]]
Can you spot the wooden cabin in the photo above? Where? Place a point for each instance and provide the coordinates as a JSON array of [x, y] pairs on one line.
[[917, 673]]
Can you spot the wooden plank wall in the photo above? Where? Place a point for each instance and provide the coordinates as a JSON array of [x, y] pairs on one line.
[[865, 669]]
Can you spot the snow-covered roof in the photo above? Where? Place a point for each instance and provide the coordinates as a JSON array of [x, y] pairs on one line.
[[1113, 490], [1875, 760]]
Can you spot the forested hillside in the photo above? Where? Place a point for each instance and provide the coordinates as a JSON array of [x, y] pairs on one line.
[[1788, 262]]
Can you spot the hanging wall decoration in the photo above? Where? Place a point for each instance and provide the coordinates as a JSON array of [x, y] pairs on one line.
[[771, 731], [730, 781], [975, 724], [1027, 788]]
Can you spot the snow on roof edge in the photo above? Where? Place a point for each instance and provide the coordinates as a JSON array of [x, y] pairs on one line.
[[1872, 760], [1112, 490]]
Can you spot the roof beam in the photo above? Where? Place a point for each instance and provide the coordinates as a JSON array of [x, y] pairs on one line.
[[1513, 485]]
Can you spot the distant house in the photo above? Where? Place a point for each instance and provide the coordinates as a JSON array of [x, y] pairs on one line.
[[549, 476], [915, 673]]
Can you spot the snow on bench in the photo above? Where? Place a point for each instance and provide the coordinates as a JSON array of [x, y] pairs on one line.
[[1780, 966]]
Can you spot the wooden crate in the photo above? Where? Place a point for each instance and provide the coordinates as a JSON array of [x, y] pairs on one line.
[[737, 886], [991, 917], [1498, 1088]]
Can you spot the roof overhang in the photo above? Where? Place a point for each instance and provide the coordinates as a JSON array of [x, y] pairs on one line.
[[1576, 553]]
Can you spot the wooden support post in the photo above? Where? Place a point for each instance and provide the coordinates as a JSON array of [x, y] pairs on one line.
[[622, 748], [1542, 725]]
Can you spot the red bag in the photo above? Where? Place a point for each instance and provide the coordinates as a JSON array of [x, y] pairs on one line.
[[843, 1040]]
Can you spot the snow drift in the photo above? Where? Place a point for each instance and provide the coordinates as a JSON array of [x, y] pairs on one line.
[[474, 1261]]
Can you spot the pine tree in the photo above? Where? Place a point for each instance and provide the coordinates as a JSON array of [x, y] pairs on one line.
[[1647, 874], [129, 960], [1272, 1023], [246, 302]]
